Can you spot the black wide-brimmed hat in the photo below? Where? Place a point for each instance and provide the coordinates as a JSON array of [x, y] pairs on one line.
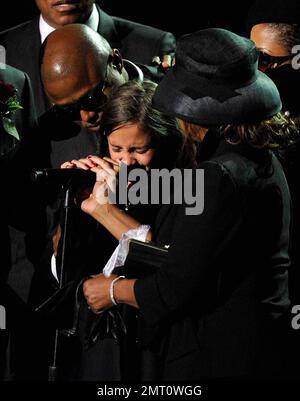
[[215, 81]]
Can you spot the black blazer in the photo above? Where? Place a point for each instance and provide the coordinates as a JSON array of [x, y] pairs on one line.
[[210, 311], [136, 42], [24, 119], [13, 162], [16, 211]]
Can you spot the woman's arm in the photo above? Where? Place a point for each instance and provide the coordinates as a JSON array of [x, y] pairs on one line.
[[100, 291], [115, 220]]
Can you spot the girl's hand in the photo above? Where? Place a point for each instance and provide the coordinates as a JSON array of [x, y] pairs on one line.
[[84, 163], [106, 179]]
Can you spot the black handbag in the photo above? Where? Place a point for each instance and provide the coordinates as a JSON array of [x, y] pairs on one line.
[[143, 258]]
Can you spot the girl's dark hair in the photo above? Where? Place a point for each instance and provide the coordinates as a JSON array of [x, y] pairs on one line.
[[131, 103]]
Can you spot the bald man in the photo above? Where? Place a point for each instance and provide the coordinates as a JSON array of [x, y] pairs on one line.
[[137, 42], [78, 70]]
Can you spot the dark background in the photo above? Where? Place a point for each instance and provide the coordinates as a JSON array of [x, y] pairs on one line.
[[187, 16]]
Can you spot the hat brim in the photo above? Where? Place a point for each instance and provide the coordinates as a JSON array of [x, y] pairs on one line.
[[255, 102]]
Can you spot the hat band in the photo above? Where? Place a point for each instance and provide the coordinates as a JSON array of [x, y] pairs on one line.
[[196, 86]]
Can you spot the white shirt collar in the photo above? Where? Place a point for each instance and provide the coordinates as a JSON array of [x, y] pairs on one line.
[[46, 29]]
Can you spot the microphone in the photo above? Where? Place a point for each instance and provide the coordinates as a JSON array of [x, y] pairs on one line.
[[64, 176]]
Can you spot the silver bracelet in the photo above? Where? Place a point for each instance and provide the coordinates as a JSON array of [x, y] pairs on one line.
[[111, 289]]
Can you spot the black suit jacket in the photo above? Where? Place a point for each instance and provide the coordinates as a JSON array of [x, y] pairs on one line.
[[12, 161], [24, 119], [211, 311], [14, 201], [136, 42]]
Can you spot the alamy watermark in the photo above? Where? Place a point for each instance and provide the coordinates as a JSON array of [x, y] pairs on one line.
[[160, 186], [296, 319], [2, 318], [296, 59]]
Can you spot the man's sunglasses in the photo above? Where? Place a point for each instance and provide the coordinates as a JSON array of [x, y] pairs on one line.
[[266, 59], [94, 100]]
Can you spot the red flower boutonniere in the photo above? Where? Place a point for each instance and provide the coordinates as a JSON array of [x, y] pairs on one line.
[[9, 103]]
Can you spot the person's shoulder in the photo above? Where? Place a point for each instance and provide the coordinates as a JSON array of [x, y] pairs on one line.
[[133, 26], [236, 163], [12, 75], [18, 31], [17, 78], [124, 27]]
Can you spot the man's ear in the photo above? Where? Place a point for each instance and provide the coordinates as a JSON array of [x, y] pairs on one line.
[[116, 60]]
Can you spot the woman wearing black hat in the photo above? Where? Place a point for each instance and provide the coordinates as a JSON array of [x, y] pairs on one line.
[[213, 309]]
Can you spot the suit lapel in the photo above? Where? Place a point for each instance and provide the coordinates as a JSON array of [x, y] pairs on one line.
[[29, 61], [43, 103], [107, 29]]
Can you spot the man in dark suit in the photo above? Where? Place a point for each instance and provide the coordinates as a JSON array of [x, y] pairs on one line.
[[12, 156], [136, 42], [15, 207]]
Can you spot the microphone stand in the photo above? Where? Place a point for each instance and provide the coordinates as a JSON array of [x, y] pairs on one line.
[[52, 372]]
